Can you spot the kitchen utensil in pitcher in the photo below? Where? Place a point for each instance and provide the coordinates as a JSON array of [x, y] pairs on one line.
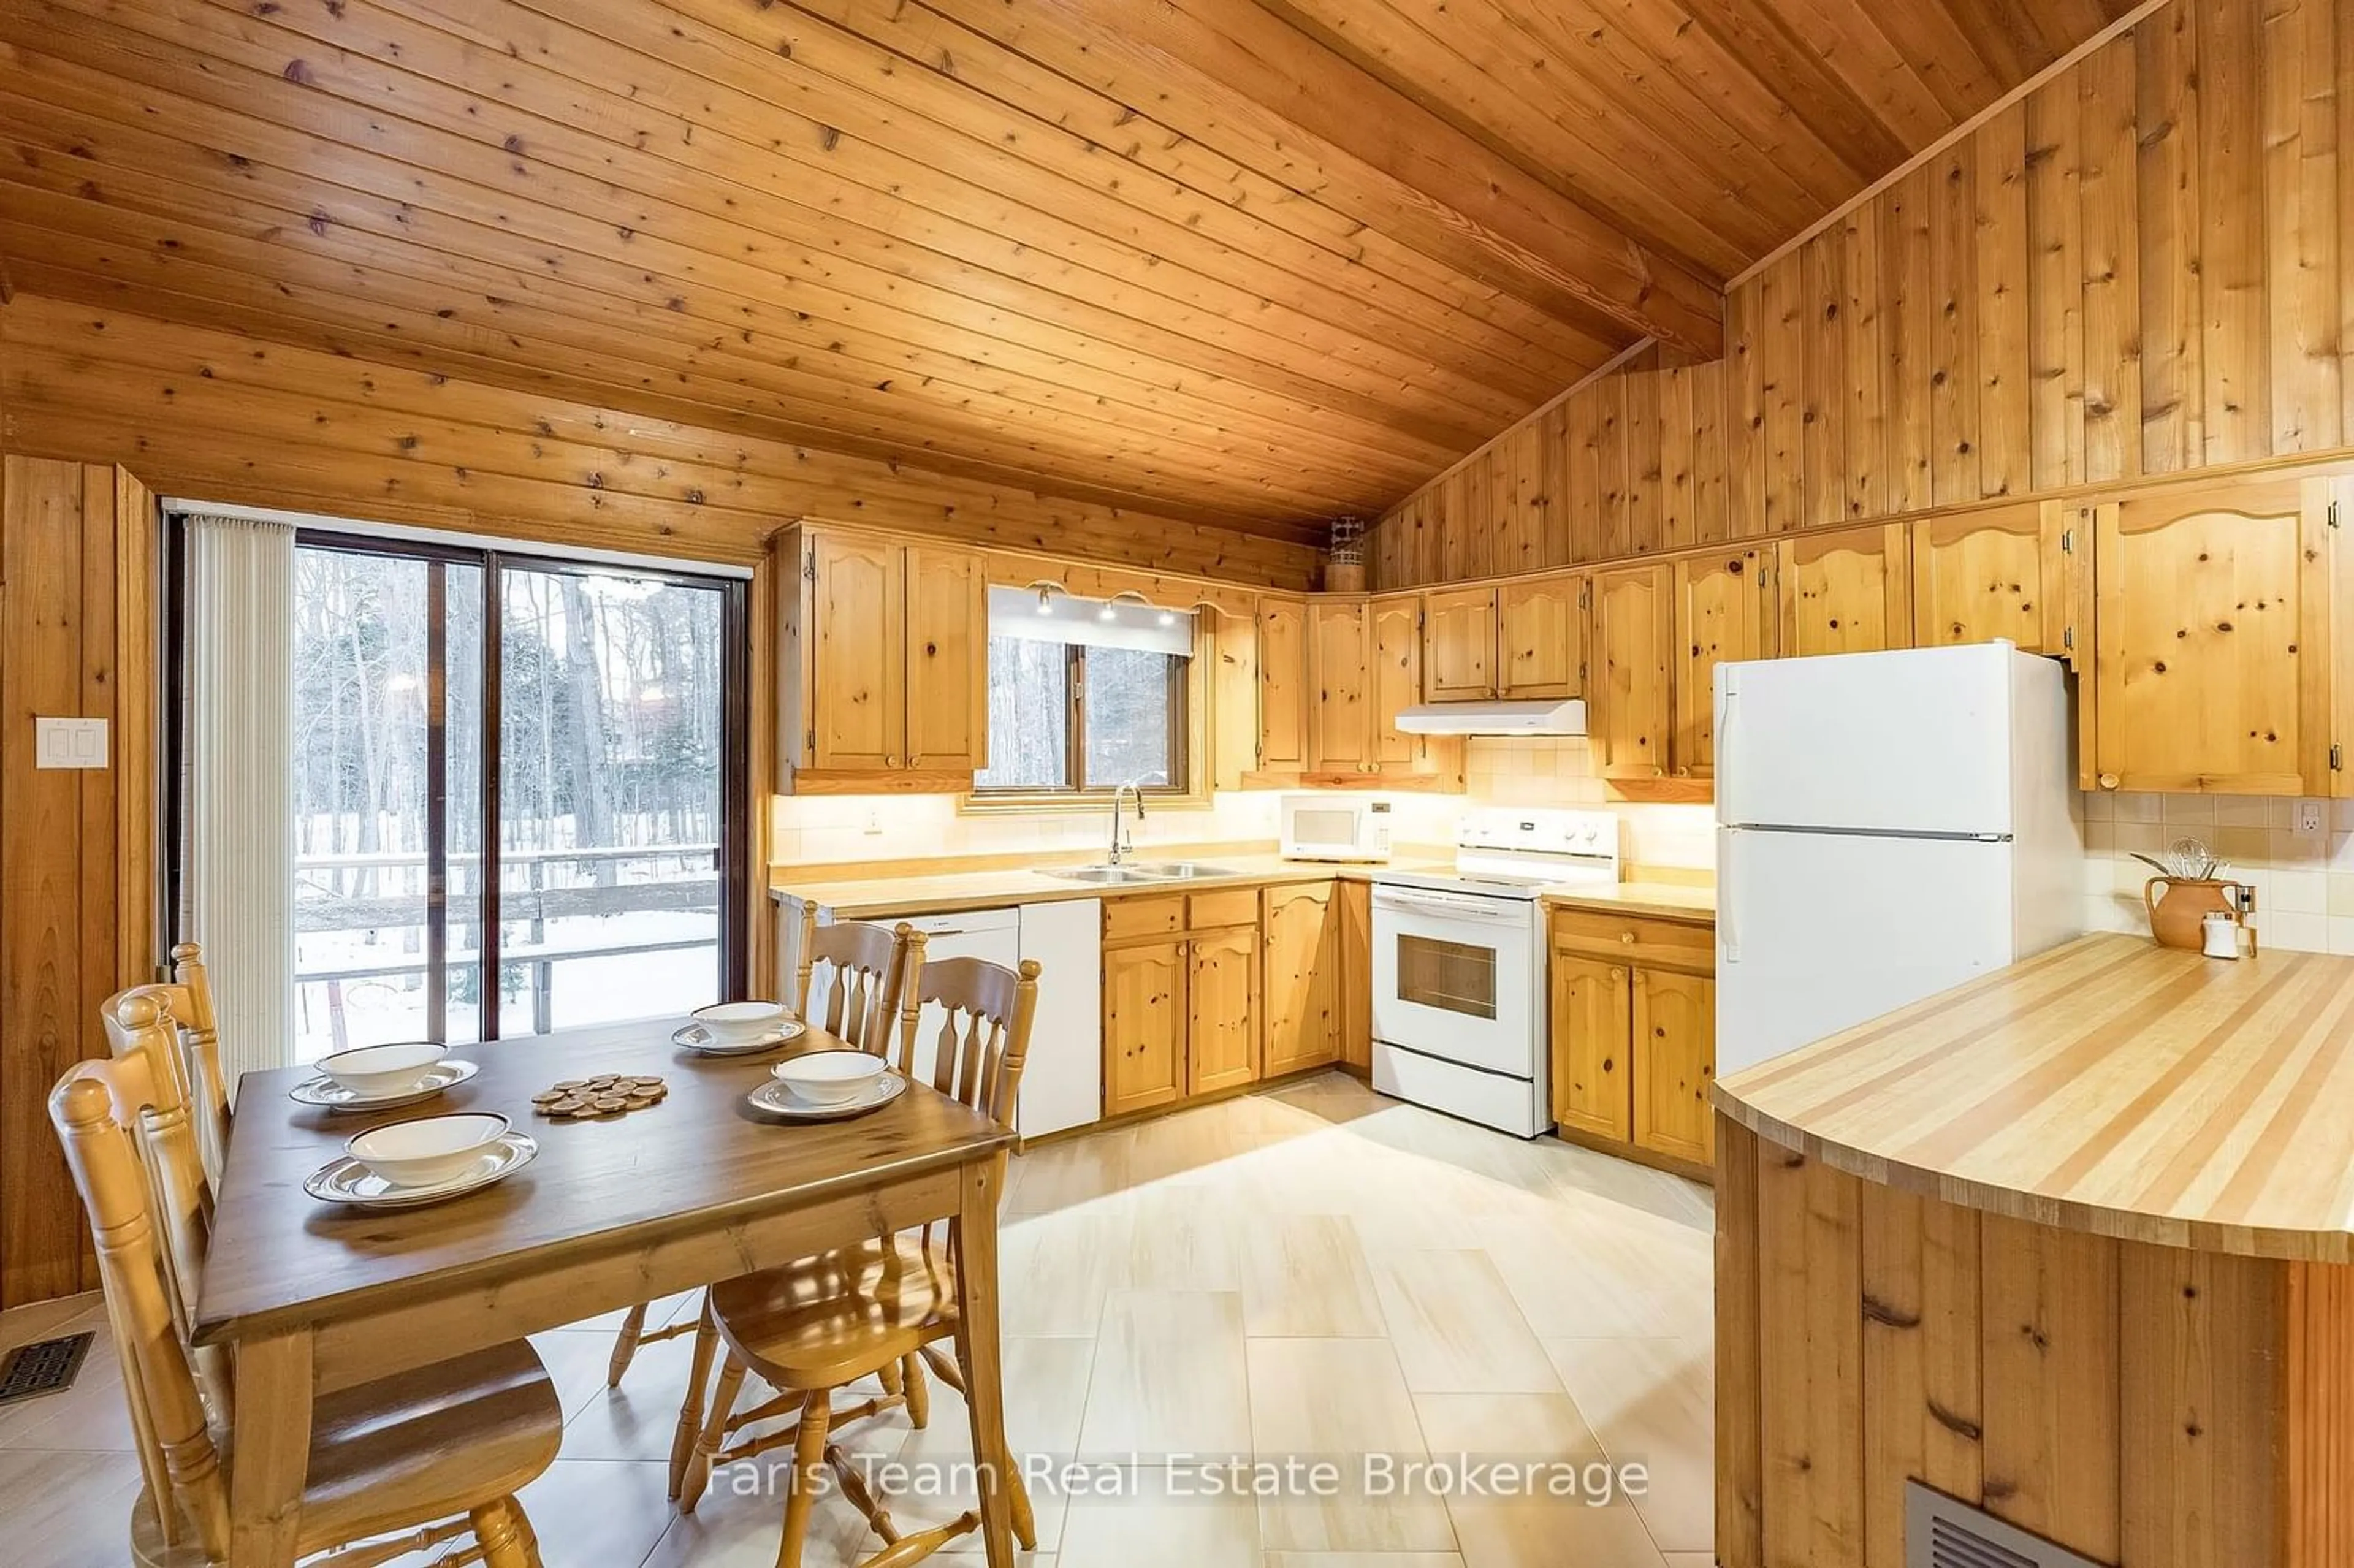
[[2175, 914]]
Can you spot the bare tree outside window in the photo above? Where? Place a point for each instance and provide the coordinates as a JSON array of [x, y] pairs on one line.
[[1085, 696]]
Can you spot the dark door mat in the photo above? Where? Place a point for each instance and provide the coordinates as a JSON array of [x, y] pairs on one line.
[[44, 1366]]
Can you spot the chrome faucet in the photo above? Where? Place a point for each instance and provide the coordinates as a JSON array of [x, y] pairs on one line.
[[1120, 843]]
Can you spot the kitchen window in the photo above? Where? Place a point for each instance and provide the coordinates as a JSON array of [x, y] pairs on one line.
[[1086, 696]]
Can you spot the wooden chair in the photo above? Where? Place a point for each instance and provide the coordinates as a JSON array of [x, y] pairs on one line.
[[812, 1327], [200, 1045], [868, 963], [402, 1455]]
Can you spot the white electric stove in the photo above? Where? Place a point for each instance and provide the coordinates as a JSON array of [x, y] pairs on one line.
[[1458, 964]]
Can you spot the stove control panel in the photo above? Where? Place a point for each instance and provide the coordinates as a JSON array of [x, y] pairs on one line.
[[1548, 831]]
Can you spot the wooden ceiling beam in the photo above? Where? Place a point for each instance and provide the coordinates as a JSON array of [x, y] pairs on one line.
[[1293, 75]]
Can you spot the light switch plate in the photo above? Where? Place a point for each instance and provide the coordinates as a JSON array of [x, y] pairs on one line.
[[69, 743]]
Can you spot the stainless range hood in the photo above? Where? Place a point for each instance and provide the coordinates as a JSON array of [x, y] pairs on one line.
[[1495, 718]]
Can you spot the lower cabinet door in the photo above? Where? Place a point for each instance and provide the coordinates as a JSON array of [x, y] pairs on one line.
[[1144, 1026], [1222, 999], [1303, 1029], [1591, 1036], [1675, 1059]]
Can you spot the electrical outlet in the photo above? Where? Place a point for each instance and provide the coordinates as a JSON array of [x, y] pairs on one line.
[[874, 823], [68, 743], [2312, 818]]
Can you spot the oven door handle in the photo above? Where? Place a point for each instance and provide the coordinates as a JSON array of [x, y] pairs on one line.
[[1455, 905]]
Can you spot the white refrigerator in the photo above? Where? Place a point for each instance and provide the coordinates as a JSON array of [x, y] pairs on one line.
[[1888, 826]]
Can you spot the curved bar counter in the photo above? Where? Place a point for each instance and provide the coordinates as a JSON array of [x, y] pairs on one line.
[[2073, 1244]]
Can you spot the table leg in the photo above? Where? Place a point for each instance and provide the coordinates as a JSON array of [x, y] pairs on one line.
[[273, 1449], [978, 1352]]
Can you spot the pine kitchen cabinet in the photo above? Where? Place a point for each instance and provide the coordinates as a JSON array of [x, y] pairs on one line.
[[1541, 636], [1459, 645], [1629, 713], [1724, 611], [1980, 576], [1181, 996], [884, 683], [1365, 664], [2211, 616], [1849, 590], [1284, 696], [1341, 679], [1303, 964], [1634, 1034]]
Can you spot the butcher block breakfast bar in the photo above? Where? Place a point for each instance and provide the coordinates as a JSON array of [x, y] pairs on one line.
[[316, 1299], [2070, 1246]]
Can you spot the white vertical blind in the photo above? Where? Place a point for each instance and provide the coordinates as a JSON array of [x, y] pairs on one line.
[[238, 878]]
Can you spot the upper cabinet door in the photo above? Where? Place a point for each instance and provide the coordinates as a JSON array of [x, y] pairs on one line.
[[1633, 652], [2212, 624], [1541, 636], [947, 660], [1848, 591], [854, 664], [1233, 697], [1724, 612], [1340, 731], [1283, 690], [1982, 576], [1398, 681], [1459, 645]]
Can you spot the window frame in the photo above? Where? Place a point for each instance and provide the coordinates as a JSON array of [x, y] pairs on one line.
[[1188, 745]]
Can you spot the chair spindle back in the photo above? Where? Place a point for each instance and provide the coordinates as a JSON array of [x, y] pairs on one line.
[[872, 968], [200, 1048], [93, 1108]]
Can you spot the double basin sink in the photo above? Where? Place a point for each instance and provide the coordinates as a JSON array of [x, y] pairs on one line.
[[1158, 871]]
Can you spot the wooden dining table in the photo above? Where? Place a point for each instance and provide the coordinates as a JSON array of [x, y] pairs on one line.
[[316, 1297]]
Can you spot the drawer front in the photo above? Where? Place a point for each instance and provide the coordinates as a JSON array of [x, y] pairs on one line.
[[1636, 939], [1154, 915], [1226, 906]]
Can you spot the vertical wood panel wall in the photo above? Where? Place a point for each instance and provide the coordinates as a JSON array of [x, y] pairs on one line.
[[78, 574], [2138, 268]]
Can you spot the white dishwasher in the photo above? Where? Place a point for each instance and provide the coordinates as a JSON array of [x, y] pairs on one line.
[[1062, 1081]]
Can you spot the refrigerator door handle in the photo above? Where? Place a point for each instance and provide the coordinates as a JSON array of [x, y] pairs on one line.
[[1728, 931], [1727, 680]]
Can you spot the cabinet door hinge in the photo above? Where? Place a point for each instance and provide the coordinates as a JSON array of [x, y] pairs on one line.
[[2067, 541], [809, 564], [811, 740], [2068, 638], [2336, 757], [2333, 514], [1585, 594]]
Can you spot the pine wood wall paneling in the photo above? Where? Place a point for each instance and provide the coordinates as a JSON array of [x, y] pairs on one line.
[[2000, 319], [1745, 412], [1645, 507], [2173, 378], [2055, 286], [1678, 440], [2109, 207], [2232, 241], [1921, 1388], [1782, 356], [1954, 415], [1712, 518], [1611, 465], [2300, 141], [2052, 1382], [1810, 1284], [1864, 488], [1908, 309], [1740, 1460], [1823, 409]]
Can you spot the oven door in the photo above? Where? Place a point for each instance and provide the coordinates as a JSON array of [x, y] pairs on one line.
[[1454, 977]]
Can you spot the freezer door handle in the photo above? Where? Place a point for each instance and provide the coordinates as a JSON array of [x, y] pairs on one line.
[[1727, 681]]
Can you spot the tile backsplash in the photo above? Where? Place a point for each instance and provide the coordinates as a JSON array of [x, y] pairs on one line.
[[2304, 881], [1516, 772]]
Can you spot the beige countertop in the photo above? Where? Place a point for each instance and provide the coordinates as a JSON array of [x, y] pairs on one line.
[[2109, 1085], [876, 897]]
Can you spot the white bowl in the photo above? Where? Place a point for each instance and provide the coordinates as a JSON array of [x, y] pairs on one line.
[[829, 1077], [429, 1150], [738, 1023], [370, 1071]]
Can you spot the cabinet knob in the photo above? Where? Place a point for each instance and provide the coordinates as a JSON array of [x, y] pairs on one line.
[[1628, 938], [2108, 781], [890, 761]]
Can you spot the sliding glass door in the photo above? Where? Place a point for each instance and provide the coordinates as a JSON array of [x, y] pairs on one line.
[[477, 731]]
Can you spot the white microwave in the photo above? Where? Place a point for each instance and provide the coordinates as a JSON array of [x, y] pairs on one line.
[[1335, 827]]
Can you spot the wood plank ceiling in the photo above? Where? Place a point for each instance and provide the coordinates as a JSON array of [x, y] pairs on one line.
[[1253, 262]]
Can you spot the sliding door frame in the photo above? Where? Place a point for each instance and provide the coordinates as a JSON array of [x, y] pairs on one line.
[[736, 840]]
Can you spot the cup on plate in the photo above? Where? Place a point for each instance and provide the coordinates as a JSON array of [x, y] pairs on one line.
[[378, 1071], [829, 1077], [429, 1150], [739, 1022]]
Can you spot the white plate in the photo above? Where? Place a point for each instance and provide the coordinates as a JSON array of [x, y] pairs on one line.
[[329, 1095], [694, 1037], [346, 1180], [776, 1100]]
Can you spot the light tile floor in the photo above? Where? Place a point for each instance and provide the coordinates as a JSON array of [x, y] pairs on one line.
[[1313, 1272]]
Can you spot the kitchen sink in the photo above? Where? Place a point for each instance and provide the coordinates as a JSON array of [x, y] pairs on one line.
[[1159, 871]]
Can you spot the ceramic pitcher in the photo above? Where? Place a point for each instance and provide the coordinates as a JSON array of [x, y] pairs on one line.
[[2175, 912]]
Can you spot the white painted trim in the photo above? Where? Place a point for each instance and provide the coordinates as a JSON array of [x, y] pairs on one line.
[[2067, 62], [176, 505]]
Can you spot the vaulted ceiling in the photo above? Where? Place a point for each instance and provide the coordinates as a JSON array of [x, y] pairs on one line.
[[1251, 261]]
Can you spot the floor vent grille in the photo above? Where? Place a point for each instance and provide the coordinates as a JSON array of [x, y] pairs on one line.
[[1944, 1532], [44, 1366]]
